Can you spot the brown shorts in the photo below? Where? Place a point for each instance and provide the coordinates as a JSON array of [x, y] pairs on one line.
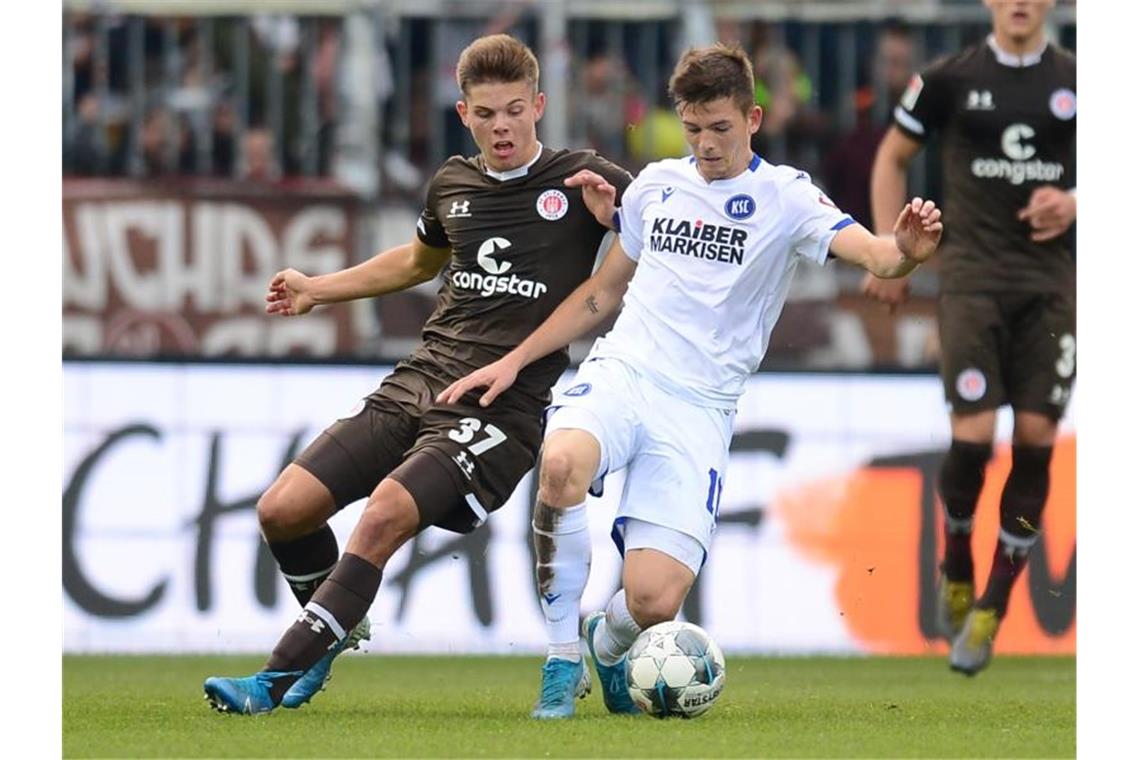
[[1008, 348], [484, 452]]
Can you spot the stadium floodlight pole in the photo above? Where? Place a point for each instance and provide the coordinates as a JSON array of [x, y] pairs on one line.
[[555, 68]]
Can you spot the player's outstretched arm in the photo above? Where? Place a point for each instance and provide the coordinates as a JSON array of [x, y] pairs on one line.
[[292, 293], [917, 232], [583, 310]]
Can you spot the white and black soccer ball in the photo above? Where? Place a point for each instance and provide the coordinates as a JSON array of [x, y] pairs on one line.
[[675, 668]]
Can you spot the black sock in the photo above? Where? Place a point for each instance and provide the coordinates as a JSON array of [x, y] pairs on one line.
[[306, 561], [1022, 502], [336, 607], [960, 482]]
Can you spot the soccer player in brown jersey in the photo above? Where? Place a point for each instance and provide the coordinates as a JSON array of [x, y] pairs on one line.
[[513, 241], [1006, 113]]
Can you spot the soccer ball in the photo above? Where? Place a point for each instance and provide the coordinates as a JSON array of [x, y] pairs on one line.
[[675, 668]]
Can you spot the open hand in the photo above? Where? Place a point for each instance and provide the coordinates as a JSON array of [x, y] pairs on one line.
[[598, 194], [496, 377], [1050, 212], [288, 294], [918, 229]]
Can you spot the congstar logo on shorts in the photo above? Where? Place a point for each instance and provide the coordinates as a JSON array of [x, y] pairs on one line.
[[493, 279]]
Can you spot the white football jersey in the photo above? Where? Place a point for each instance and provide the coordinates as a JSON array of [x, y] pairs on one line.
[[715, 260]]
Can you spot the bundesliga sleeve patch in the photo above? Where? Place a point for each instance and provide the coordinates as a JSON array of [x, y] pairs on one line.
[[913, 90]]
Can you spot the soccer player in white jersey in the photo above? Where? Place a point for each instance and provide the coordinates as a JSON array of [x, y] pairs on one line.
[[708, 245]]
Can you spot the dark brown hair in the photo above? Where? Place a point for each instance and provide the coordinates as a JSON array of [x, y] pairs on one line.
[[496, 58], [709, 73]]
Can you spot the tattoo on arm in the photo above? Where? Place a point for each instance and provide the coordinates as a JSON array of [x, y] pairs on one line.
[[592, 304]]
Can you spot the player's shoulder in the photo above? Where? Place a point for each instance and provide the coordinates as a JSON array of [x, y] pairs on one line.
[[665, 172], [668, 169], [455, 169], [784, 179], [960, 63], [571, 160], [1064, 57]]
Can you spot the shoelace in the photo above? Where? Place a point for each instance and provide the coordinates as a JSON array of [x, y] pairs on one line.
[[552, 686]]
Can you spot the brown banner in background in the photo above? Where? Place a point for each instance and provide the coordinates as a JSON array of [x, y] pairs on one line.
[[182, 268]]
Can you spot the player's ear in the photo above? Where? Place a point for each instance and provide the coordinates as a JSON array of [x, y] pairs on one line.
[[755, 117], [539, 105], [461, 109]]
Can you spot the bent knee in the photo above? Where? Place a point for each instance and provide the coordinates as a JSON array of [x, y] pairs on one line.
[[391, 514], [652, 607], [283, 518], [564, 476]]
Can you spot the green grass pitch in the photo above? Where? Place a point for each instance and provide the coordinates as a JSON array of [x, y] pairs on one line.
[[379, 706]]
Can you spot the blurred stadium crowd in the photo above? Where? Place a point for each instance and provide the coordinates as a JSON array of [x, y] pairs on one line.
[[360, 95]]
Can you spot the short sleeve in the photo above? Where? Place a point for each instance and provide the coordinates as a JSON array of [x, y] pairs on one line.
[[429, 229], [925, 105], [614, 174], [630, 222], [814, 219]]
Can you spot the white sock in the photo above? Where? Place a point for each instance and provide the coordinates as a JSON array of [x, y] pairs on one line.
[[615, 635], [562, 543]]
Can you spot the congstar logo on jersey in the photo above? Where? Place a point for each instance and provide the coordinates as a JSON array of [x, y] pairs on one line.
[[1019, 166], [493, 279], [699, 239]]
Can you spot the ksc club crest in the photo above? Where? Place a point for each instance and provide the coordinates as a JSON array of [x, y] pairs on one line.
[[971, 384], [552, 205]]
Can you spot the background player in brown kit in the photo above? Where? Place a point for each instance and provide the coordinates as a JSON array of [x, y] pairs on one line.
[[515, 241], [1006, 113]]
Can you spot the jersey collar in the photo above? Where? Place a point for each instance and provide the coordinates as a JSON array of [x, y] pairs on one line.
[[1013, 60], [517, 172], [753, 165]]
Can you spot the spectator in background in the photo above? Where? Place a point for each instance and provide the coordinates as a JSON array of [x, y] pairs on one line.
[[260, 160], [846, 169], [608, 103], [164, 144], [784, 91], [658, 134]]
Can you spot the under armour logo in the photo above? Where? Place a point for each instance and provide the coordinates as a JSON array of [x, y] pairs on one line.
[[316, 625], [459, 208], [466, 466]]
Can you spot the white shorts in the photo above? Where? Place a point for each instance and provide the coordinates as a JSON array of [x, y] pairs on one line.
[[675, 451]]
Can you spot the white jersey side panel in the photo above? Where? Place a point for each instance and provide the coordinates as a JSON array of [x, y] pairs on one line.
[[715, 261]]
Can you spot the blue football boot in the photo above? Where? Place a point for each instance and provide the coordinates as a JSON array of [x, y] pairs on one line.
[[244, 696], [615, 686], [563, 681], [317, 676]]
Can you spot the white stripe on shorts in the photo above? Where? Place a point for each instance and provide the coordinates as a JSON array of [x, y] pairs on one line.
[[477, 508]]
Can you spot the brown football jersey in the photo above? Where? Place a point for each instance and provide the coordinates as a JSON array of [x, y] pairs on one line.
[[1007, 126], [521, 242]]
